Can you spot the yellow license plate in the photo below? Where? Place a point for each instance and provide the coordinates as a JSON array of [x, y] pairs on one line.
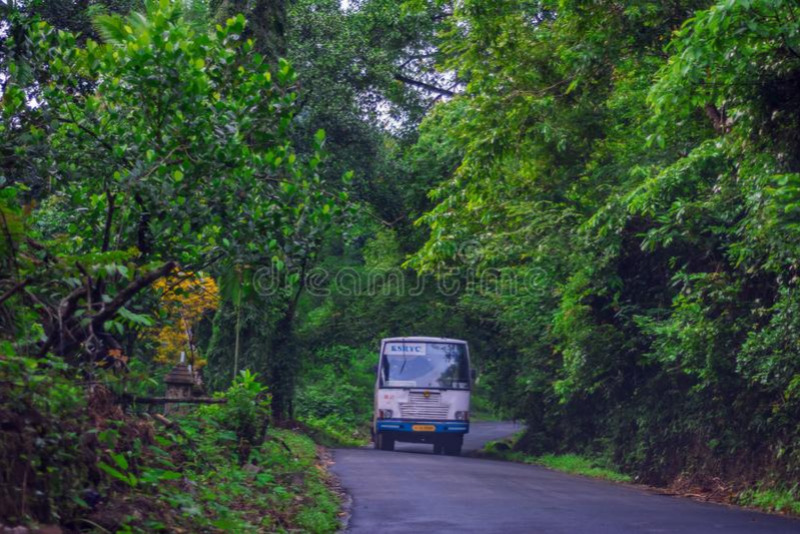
[[423, 428]]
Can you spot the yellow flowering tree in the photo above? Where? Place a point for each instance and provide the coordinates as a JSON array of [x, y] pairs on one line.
[[185, 301]]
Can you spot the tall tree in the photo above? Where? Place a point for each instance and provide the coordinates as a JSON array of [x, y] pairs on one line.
[[180, 150]]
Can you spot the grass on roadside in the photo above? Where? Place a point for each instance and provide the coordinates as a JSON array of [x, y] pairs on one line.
[[318, 507], [283, 488], [781, 500], [578, 465], [330, 432], [566, 463], [774, 499]]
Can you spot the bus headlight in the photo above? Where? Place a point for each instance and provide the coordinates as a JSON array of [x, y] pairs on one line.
[[462, 416], [385, 414]]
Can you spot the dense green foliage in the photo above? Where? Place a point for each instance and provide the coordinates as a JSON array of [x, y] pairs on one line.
[[636, 166], [42, 412], [601, 197], [177, 155], [335, 397], [159, 150], [76, 459]]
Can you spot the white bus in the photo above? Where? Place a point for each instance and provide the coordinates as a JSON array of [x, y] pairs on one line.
[[422, 393]]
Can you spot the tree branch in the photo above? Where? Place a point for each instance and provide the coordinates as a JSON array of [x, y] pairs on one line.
[[11, 245], [8, 294], [171, 400], [108, 310], [423, 85], [717, 117], [67, 307], [65, 310]]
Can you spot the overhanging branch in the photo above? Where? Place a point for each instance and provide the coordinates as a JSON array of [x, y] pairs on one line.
[[424, 85]]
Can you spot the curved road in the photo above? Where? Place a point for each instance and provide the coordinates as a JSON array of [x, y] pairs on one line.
[[398, 492]]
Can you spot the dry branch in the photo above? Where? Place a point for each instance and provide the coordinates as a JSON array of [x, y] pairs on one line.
[[69, 334], [8, 294], [169, 400]]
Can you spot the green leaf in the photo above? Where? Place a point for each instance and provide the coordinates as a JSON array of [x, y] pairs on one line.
[[135, 317], [120, 460], [114, 473]]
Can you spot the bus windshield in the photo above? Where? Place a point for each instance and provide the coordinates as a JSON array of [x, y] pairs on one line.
[[425, 365]]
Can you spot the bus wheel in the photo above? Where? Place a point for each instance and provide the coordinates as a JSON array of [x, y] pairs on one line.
[[452, 447], [437, 448], [384, 442]]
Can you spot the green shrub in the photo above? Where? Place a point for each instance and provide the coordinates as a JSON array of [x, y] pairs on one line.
[[46, 449], [244, 418], [335, 397]]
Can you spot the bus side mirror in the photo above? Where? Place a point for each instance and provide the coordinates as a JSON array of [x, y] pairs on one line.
[[473, 373], [375, 369]]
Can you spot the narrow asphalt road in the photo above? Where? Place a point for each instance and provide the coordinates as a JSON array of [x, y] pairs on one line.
[[398, 492]]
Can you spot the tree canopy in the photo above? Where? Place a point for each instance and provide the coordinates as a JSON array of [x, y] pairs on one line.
[[601, 197]]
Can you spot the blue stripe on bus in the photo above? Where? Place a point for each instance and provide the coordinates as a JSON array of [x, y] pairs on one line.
[[406, 426]]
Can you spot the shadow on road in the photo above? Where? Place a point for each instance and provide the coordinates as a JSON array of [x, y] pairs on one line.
[[480, 434]]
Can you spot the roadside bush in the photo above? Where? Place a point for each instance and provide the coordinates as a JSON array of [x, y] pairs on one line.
[[66, 446], [244, 418], [70, 455], [43, 440]]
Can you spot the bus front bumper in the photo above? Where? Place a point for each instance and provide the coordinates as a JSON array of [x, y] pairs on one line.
[[448, 427]]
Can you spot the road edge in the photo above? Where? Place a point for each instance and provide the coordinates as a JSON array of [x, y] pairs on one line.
[[503, 455]]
